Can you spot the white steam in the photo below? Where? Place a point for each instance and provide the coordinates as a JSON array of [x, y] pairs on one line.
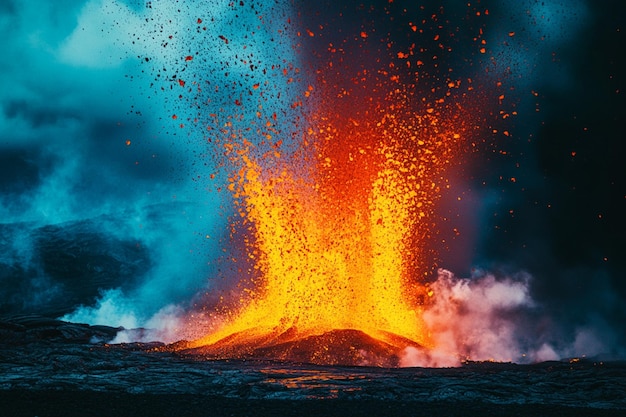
[[485, 318], [112, 307], [166, 325], [470, 320]]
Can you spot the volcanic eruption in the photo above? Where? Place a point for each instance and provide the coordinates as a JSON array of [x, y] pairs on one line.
[[338, 224]]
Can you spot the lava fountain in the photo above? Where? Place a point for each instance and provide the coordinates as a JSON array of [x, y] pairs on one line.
[[337, 228]]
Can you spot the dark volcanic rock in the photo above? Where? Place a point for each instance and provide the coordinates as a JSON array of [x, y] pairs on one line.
[[344, 347], [337, 347], [80, 251], [51, 270], [53, 371], [28, 329]]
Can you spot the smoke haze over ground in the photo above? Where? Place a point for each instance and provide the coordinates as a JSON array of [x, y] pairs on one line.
[[109, 209]]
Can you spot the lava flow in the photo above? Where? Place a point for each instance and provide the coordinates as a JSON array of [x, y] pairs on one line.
[[337, 232]]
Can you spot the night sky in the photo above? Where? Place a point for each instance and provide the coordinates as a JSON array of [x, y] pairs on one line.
[[562, 219], [97, 146]]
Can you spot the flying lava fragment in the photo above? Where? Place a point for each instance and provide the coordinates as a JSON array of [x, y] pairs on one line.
[[337, 225]]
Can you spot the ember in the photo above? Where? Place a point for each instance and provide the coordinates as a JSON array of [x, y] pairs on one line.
[[338, 231]]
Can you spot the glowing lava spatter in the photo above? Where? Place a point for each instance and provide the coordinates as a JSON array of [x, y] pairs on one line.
[[334, 245], [337, 231]]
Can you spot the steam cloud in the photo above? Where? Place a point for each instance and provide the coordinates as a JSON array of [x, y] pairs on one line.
[[485, 318]]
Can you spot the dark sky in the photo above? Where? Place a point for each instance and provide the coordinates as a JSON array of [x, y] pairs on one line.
[[563, 219], [87, 128]]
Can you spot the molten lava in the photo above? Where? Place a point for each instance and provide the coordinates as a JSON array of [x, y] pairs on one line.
[[326, 264], [339, 224], [335, 235]]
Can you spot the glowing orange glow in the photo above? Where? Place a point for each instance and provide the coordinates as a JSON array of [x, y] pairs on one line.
[[335, 245], [325, 268], [338, 234]]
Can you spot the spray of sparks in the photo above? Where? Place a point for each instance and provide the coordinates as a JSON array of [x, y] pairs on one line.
[[336, 225], [335, 236]]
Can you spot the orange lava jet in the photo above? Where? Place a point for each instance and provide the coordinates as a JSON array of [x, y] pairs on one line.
[[335, 235], [339, 232]]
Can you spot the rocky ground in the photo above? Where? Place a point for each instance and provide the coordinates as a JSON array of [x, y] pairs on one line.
[[53, 368]]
